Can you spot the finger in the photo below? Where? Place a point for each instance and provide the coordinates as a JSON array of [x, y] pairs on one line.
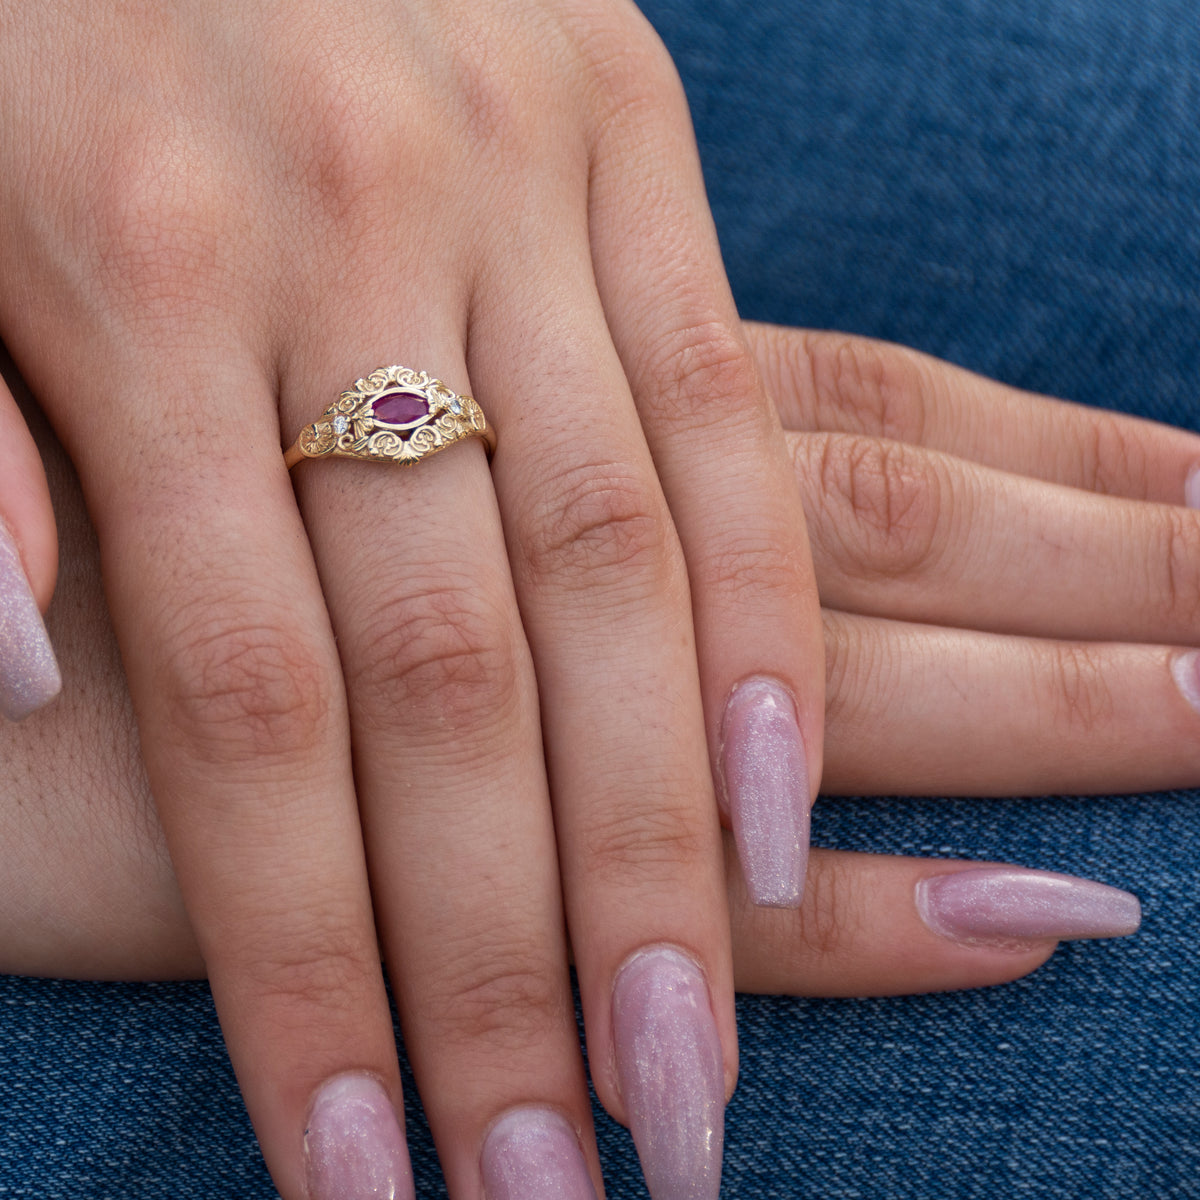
[[877, 925], [839, 383], [870, 925], [235, 679], [448, 761], [718, 451], [29, 673], [899, 531], [603, 595], [97, 898], [954, 712]]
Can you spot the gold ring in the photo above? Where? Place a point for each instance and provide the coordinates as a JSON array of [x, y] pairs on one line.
[[393, 415]]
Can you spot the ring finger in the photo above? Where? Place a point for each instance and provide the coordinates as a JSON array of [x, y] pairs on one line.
[[963, 713], [449, 770]]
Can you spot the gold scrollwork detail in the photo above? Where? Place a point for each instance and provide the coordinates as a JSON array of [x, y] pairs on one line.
[[348, 427]]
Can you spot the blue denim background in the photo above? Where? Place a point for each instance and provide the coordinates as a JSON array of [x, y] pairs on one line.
[[1011, 185]]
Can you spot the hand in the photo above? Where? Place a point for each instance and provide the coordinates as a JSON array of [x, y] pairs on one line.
[[218, 216], [1003, 574], [88, 884]]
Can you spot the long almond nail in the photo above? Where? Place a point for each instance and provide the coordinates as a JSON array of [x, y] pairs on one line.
[[29, 676], [669, 1068], [765, 771], [354, 1147], [1002, 904], [533, 1154]]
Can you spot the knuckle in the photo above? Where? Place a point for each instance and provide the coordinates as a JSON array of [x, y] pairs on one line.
[[704, 375], [497, 991], [833, 915], [243, 692], [631, 66], [626, 845], [783, 361], [863, 386], [884, 504], [1080, 700], [759, 569], [158, 222], [1179, 551], [857, 670], [843, 666], [445, 651], [319, 971], [496, 114], [345, 139], [1112, 461], [601, 524]]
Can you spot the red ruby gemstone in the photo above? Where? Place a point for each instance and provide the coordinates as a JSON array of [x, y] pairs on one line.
[[400, 408]]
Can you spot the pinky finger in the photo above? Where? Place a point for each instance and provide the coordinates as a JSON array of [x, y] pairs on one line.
[[877, 925], [961, 713]]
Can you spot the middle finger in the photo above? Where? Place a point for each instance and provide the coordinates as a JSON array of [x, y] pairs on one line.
[[604, 593]]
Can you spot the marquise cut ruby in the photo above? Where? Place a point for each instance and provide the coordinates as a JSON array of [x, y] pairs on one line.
[[400, 408]]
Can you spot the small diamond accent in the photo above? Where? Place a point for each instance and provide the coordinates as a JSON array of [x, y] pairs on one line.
[[340, 425], [455, 405]]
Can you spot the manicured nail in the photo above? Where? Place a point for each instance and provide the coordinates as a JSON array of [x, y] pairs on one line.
[[29, 676], [533, 1154], [1000, 904], [670, 1073], [765, 771], [1185, 670], [354, 1147], [1191, 488]]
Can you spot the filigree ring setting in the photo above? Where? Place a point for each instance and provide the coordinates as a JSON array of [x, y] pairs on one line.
[[393, 415]]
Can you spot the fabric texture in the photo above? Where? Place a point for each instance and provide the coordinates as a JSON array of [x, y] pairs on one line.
[[1009, 184]]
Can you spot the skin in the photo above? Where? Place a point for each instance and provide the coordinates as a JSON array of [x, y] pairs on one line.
[[216, 219], [88, 886]]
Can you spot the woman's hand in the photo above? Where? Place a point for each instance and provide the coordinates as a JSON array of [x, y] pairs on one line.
[[1003, 577], [355, 713], [88, 888]]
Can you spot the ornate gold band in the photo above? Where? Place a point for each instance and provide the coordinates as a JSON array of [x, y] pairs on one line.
[[393, 415]]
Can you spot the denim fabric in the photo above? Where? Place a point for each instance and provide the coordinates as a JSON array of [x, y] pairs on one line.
[[1010, 184]]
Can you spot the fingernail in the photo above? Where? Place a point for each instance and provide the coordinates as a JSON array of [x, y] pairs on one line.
[[1185, 670], [1191, 488], [997, 904], [669, 1069], [765, 771], [29, 676], [533, 1154], [354, 1147]]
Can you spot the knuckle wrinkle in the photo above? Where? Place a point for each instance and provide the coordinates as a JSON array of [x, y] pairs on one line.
[[706, 376], [645, 846], [1081, 698], [885, 507], [602, 522], [862, 386], [446, 654], [241, 694]]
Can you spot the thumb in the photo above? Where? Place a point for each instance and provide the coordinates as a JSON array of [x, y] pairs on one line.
[[29, 675]]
